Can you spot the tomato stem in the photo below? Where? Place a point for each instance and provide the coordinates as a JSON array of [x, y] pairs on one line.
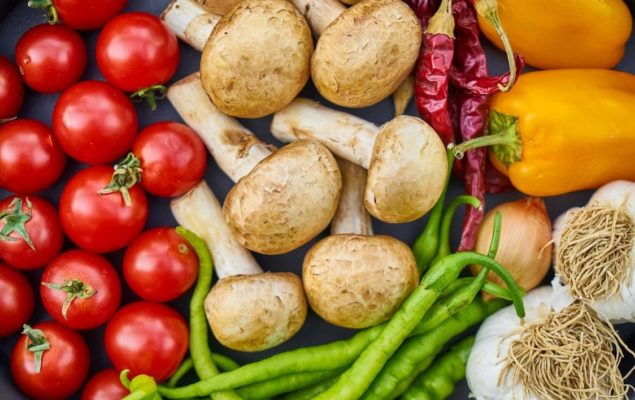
[[52, 15], [37, 343], [75, 289], [127, 174], [150, 95], [14, 220]]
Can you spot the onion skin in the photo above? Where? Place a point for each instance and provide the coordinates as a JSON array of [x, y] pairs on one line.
[[525, 248]]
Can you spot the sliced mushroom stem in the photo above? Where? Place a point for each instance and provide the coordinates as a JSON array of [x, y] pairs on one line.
[[235, 148], [199, 211], [351, 216], [319, 13], [346, 135], [190, 22]]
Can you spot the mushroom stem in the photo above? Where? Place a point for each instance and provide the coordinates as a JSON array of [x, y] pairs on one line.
[[346, 135], [319, 13], [200, 212], [235, 149], [190, 22], [351, 216]]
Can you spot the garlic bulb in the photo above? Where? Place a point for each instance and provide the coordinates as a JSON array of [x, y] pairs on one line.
[[594, 255]]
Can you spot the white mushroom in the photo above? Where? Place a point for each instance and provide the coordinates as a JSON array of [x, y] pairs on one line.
[[248, 310], [281, 200], [405, 158]]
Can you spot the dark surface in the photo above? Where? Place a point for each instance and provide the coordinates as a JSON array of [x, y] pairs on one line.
[[315, 331]]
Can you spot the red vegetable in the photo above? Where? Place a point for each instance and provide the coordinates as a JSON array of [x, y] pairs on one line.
[[16, 300], [49, 361], [94, 122], [104, 385], [30, 159], [81, 290], [11, 90], [50, 57], [80, 14], [30, 232]]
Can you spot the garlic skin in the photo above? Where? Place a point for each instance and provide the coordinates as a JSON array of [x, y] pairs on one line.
[[492, 343], [620, 307]]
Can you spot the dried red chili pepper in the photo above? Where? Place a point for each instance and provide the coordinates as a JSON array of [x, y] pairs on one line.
[[424, 9]]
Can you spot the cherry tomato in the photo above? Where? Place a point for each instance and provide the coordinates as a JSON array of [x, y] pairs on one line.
[[30, 232], [136, 51], [147, 338], [94, 122], [80, 289], [63, 367], [173, 158], [11, 90], [87, 14], [16, 300], [104, 385], [30, 159], [101, 222], [50, 57], [160, 265]]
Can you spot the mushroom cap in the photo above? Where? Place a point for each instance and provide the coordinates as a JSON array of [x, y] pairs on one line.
[[358, 281], [286, 200], [363, 56], [407, 171], [257, 58], [256, 312]]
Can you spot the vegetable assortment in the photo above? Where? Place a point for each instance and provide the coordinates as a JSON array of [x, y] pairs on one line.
[[533, 132]]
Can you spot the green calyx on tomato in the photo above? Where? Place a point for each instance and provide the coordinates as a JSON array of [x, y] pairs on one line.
[[74, 289], [127, 174], [37, 343], [14, 219], [150, 95], [52, 15]]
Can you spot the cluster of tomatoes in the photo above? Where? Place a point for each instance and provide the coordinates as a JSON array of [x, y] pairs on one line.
[[102, 209]]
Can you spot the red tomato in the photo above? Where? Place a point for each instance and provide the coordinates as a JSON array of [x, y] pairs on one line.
[[94, 122], [147, 338], [16, 300], [34, 230], [160, 265], [101, 223], [64, 365], [173, 158], [50, 57], [30, 159], [11, 90], [136, 51], [87, 14], [86, 284], [104, 385]]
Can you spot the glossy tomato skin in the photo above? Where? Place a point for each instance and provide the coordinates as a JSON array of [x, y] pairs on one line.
[[11, 89], [43, 228], [50, 57], [87, 14], [173, 158], [104, 385], [136, 51], [147, 338], [94, 122], [30, 158], [64, 366], [100, 223], [160, 265], [16, 300], [93, 270]]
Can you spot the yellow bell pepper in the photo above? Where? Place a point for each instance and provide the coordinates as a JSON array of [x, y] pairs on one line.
[[563, 130], [564, 33]]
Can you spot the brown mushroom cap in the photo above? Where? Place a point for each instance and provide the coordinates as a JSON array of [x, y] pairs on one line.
[[358, 281], [407, 171], [286, 200], [256, 312], [257, 58], [363, 56]]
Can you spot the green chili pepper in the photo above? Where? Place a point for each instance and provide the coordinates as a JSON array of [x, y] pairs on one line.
[[284, 384], [311, 391]]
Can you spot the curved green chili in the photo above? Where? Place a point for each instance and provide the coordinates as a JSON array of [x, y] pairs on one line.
[[284, 384], [224, 363], [310, 392], [199, 345], [446, 223]]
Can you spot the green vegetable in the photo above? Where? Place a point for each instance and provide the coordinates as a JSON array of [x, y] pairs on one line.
[[284, 384], [437, 382], [311, 391], [224, 363]]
